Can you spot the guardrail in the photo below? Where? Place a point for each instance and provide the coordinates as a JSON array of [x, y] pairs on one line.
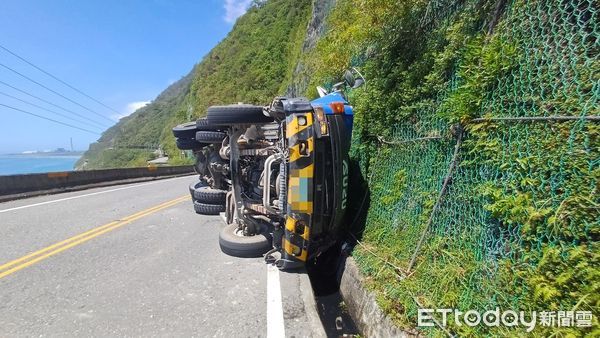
[[19, 186]]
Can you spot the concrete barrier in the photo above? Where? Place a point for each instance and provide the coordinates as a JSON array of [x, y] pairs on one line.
[[362, 305], [28, 184]]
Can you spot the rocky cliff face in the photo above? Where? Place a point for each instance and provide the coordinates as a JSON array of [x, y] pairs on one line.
[[315, 29], [316, 26]]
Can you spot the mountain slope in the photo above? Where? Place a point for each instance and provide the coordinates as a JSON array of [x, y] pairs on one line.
[[133, 139], [253, 64]]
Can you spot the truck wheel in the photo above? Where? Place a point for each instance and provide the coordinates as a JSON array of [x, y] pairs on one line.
[[203, 124], [194, 186], [208, 195], [189, 144], [233, 243], [208, 209], [185, 130], [210, 136], [236, 114]]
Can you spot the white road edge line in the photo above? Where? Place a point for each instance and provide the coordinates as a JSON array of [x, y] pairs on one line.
[[275, 323], [90, 194]]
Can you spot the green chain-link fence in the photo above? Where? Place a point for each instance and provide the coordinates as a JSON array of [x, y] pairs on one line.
[[517, 221]]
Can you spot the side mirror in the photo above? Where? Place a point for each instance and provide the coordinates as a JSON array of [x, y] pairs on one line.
[[359, 82], [349, 78]]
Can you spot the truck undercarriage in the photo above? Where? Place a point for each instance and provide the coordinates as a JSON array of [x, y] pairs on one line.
[[278, 174]]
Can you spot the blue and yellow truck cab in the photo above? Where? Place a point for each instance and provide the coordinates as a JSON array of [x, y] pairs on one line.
[[318, 136]]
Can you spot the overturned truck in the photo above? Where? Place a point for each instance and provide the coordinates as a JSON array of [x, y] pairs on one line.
[[278, 174]]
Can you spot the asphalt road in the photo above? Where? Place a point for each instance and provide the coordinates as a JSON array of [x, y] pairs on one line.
[[135, 260]]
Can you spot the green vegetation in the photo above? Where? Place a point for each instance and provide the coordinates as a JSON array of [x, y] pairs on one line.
[[518, 227], [132, 141], [253, 64]]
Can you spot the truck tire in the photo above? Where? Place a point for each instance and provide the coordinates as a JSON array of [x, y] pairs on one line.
[[208, 209], [237, 114], [208, 195], [194, 186], [210, 136], [185, 130], [189, 144], [203, 124], [233, 244]]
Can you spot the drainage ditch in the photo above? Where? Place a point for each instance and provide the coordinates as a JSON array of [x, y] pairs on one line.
[[325, 273]]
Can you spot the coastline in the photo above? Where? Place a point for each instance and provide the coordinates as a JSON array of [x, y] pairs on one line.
[[12, 164]]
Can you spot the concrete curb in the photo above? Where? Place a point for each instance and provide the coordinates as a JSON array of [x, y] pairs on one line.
[[312, 310], [367, 315], [300, 309]]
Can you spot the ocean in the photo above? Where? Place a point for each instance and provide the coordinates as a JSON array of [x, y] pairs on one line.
[[29, 164]]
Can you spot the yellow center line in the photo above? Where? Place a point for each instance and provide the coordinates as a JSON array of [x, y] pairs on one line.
[[81, 238], [11, 263]]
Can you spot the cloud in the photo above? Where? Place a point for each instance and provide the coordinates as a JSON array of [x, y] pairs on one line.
[[131, 108], [234, 9]]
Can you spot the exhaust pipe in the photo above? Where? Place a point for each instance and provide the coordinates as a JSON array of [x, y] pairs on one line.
[[267, 182]]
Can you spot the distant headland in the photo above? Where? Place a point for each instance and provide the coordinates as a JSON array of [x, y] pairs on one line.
[[55, 152]]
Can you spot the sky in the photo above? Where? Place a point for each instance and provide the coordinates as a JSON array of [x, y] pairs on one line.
[[122, 53]]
